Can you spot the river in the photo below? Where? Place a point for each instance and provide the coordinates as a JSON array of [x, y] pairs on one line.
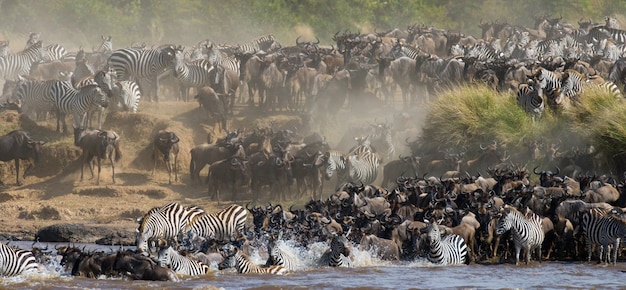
[[366, 272]]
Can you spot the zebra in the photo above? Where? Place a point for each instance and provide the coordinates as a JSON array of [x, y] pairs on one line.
[[19, 64], [34, 96], [363, 167], [106, 46], [215, 57], [126, 95], [335, 162], [4, 48], [605, 228], [611, 22], [449, 250], [277, 256], [264, 43], [526, 230], [33, 38], [572, 83], [183, 265], [67, 99], [54, 52], [190, 75], [338, 254], [226, 225], [530, 99], [15, 261], [163, 224], [135, 64], [550, 84], [244, 266]]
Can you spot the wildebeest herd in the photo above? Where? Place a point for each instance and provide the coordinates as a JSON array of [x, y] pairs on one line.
[[428, 204]]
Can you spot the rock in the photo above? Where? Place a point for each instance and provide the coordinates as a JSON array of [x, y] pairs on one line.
[[117, 238], [63, 233]]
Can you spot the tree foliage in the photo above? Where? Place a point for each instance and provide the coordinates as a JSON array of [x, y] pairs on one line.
[[82, 22]]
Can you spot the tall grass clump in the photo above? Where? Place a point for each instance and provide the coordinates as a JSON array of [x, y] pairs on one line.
[[600, 118], [474, 115], [464, 118]]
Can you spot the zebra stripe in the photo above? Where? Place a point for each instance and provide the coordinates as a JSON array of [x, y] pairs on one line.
[[451, 250], [530, 99], [572, 83], [4, 48], [170, 258], [215, 57], [363, 168], [106, 46], [262, 43], [335, 162], [34, 96], [338, 253], [605, 228], [277, 256], [126, 95], [550, 84], [133, 64], [482, 53], [190, 75], [226, 225], [15, 261], [163, 223], [53, 52], [245, 266], [526, 230], [19, 64]]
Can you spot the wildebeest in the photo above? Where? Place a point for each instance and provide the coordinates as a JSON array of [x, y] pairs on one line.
[[206, 154], [225, 173], [18, 145], [211, 103], [99, 144], [167, 143]]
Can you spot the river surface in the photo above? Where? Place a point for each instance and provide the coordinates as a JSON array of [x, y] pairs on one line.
[[365, 272]]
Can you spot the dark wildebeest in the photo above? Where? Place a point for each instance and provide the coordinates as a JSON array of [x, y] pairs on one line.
[[99, 144], [18, 145], [140, 267], [404, 166], [225, 173], [211, 103], [167, 143], [205, 154]]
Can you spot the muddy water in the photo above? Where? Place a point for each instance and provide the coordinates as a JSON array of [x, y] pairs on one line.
[[365, 272]]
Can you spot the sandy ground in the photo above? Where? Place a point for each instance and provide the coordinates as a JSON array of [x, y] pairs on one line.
[[52, 193]]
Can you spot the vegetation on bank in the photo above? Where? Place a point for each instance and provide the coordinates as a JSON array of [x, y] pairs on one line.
[[471, 116], [231, 21]]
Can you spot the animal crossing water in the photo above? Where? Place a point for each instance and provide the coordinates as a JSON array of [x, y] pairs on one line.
[[365, 272]]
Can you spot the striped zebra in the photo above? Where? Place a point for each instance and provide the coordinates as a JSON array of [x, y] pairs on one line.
[[244, 265], [182, 265], [106, 46], [163, 224], [19, 64], [125, 96], [338, 254], [449, 250], [530, 99], [550, 84], [215, 57], [604, 228], [4, 48], [572, 84], [266, 43], [227, 225], [135, 64], [335, 163], [611, 22], [362, 168], [278, 256], [78, 102], [53, 52], [526, 230], [15, 261], [190, 75], [33, 38], [34, 96]]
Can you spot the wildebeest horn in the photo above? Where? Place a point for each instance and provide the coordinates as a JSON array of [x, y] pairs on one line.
[[558, 170], [298, 38], [248, 208], [535, 170]]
